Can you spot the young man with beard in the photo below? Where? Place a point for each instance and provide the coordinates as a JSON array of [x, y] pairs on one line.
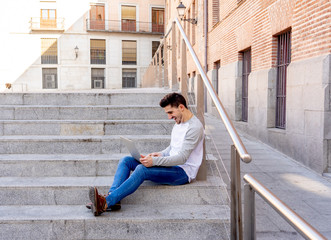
[[176, 165]]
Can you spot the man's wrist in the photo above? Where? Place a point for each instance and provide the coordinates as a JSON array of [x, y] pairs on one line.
[[154, 160]]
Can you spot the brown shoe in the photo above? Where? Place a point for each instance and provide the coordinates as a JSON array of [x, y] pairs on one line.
[[99, 203]]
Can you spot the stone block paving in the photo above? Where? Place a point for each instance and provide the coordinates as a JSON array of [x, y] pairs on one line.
[[303, 190]]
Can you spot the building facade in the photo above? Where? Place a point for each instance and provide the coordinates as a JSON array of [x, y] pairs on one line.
[[77, 44], [269, 62]]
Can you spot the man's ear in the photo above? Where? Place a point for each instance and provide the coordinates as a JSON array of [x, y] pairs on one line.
[[181, 107]]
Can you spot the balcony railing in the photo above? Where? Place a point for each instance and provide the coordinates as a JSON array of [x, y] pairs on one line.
[[131, 26], [40, 24]]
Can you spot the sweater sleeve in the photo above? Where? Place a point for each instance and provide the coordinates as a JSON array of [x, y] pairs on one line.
[[192, 138], [166, 151]]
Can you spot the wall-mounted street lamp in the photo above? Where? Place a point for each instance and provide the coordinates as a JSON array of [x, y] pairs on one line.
[[76, 51], [181, 11]]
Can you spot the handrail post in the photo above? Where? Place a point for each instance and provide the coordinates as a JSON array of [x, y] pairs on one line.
[[173, 81], [249, 213], [183, 75], [200, 99], [236, 208], [202, 173], [165, 64], [159, 68]]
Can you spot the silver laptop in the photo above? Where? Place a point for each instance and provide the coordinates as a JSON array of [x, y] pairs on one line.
[[131, 147]]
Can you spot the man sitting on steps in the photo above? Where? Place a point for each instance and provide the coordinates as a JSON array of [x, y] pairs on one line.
[[176, 165]]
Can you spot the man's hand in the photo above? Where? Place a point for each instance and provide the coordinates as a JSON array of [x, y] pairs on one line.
[[147, 161]]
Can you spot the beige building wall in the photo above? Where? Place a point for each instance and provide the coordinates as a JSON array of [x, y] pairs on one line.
[[22, 66]]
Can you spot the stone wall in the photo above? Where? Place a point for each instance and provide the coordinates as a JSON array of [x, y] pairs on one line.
[[308, 123]]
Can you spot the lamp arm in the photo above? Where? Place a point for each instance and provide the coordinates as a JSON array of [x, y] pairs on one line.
[[190, 20]]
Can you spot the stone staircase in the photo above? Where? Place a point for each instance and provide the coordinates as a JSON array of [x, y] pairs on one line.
[[54, 146]]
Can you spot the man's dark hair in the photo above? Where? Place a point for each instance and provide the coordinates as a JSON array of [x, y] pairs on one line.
[[173, 99]]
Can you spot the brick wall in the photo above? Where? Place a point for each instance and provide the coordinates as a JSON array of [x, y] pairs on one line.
[[311, 29], [256, 24]]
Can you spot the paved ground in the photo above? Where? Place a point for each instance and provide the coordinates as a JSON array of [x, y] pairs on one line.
[[303, 190]]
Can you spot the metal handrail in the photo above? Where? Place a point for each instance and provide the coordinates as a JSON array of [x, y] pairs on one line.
[[220, 108], [298, 223]]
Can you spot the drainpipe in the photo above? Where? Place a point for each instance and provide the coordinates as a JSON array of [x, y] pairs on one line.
[[206, 41]]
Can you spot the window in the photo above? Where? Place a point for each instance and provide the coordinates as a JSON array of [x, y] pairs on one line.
[[48, 51], [157, 20], [49, 78], [169, 47], [217, 66], [215, 72], [188, 25], [97, 17], [129, 52], [129, 78], [215, 12], [193, 25], [98, 78], [283, 60], [245, 73], [98, 51], [48, 18], [178, 43], [128, 18], [155, 45], [162, 57], [193, 81]]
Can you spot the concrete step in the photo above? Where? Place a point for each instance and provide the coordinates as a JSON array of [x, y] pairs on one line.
[[115, 97], [74, 191], [151, 222], [79, 144], [98, 112], [55, 145], [62, 165], [58, 165], [86, 127]]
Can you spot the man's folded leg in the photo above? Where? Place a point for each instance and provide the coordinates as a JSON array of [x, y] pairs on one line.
[[163, 175]]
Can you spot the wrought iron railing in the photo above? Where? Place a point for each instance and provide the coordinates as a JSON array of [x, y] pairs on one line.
[[283, 60], [124, 25], [48, 59], [38, 23], [98, 56]]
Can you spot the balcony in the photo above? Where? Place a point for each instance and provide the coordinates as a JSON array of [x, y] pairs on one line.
[[130, 26], [40, 24]]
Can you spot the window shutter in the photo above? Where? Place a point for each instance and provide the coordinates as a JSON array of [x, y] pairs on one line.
[[216, 12]]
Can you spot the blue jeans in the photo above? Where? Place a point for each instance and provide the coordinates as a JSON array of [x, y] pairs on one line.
[[125, 184]]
